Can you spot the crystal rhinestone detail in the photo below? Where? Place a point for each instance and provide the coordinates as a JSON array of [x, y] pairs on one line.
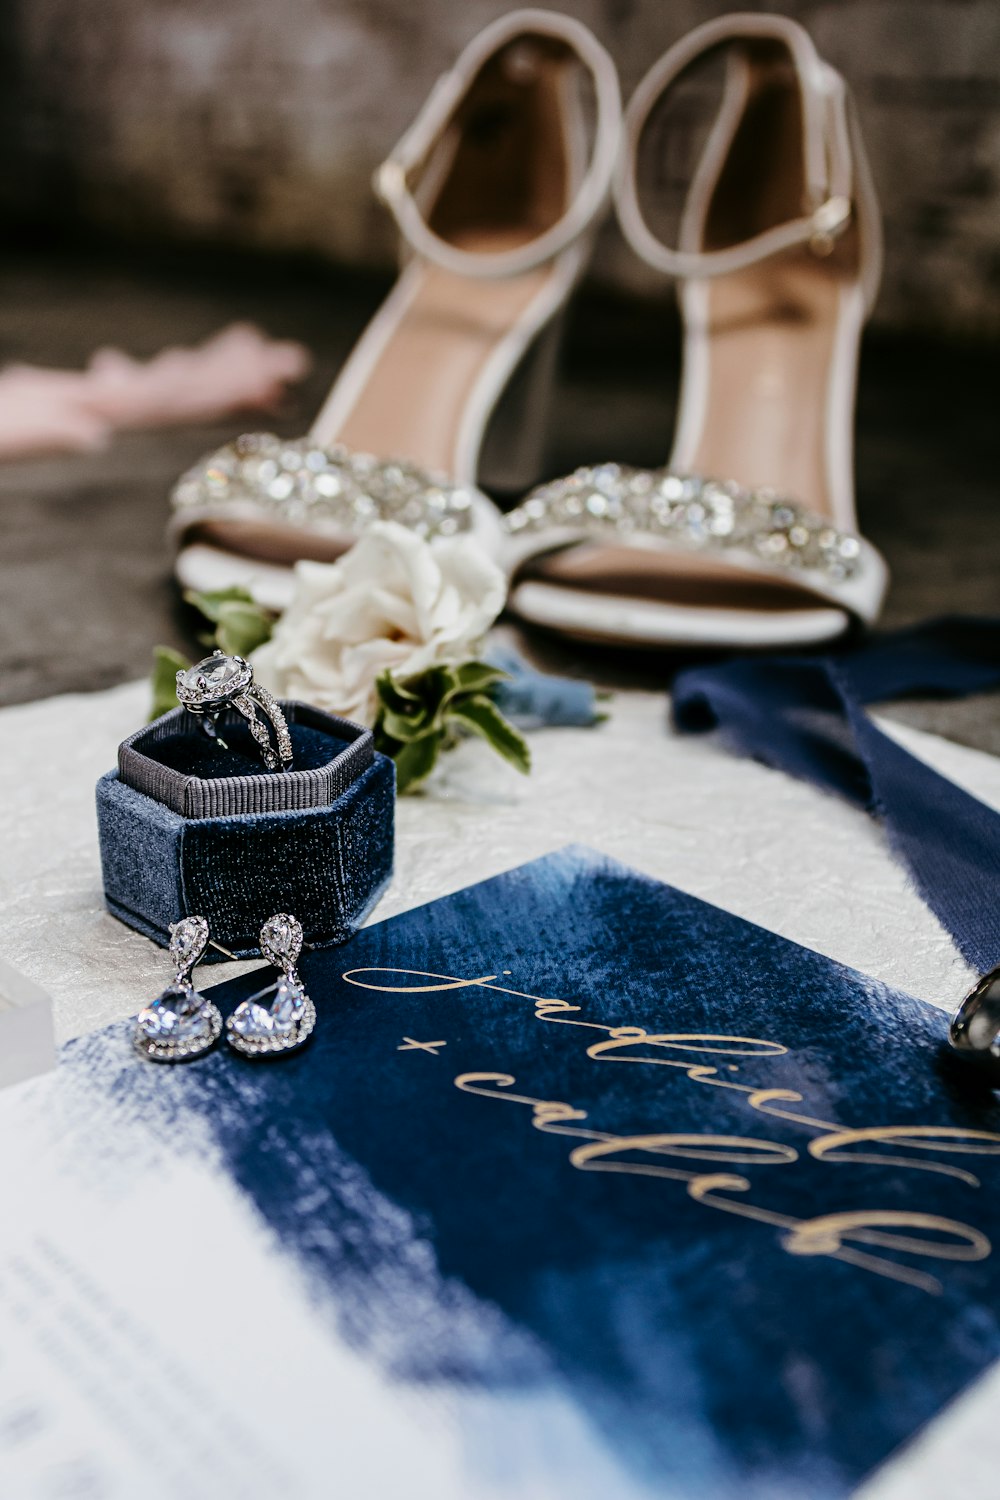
[[299, 483], [179, 1025], [278, 721], [214, 681], [259, 1030], [176, 1015], [188, 941], [277, 1019], [281, 940], [215, 674], [688, 511]]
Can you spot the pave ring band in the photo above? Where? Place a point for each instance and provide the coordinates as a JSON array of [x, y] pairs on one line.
[[222, 682]]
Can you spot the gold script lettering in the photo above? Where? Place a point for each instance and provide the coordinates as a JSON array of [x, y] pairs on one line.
[[836, 1235]]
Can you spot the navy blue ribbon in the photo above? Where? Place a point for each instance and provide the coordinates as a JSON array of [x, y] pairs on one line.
[[805, 715]]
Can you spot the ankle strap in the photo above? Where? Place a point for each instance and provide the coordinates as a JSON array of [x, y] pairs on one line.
[[827, 141], [392, 177]]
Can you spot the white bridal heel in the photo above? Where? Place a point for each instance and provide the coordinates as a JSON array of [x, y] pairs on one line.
[[749, 536], [496, 200]]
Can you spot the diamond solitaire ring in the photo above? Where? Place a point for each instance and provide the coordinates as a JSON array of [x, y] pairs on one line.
[[223, 682]]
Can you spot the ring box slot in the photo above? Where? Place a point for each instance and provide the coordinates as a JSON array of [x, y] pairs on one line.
[[188, 827]]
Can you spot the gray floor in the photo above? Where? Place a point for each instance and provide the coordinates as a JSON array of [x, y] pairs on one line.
[[85, 575]]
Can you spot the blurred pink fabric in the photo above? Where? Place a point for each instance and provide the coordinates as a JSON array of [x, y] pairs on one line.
[[63, 411]]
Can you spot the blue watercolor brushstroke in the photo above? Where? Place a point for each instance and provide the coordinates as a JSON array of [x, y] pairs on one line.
[[708, 1360]]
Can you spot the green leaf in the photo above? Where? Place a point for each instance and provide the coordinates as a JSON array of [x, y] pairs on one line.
[[212, 604], [242, 628], [435, 688], [415, 706], [166, 665], [395, 694], [418, 716], [478, 676], [416, 761], [482, 716], [384, 743], [407, 727], [240, 624], [401, 716]]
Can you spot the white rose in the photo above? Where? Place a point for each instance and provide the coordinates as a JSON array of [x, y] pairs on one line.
[[395, 602]]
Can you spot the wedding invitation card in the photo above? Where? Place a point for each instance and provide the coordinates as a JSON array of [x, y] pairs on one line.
[[582, 1187]]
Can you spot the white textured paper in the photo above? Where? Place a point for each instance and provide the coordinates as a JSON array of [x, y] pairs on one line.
[[754, 841], [160, 1344]]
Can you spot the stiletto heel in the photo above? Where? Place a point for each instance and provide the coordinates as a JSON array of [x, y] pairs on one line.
[[514, 452], [496, 197], [748, 536]]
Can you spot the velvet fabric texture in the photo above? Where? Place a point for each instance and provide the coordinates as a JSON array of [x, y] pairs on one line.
[[327, 865]]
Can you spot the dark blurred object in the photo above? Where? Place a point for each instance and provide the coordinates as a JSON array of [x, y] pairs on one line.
[[249, 124]]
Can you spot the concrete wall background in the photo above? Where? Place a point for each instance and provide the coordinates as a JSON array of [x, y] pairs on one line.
[[258, 122]]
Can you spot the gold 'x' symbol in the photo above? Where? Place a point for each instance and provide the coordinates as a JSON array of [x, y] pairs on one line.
[[409, 1045]]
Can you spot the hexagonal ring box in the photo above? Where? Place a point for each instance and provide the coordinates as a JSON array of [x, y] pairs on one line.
[[188, 827]]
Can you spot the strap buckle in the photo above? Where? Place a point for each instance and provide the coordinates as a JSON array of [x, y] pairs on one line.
[[389, 181], [829, 221]]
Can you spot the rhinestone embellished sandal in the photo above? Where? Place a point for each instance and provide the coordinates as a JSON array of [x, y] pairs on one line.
[[496, 193], [748, 537]]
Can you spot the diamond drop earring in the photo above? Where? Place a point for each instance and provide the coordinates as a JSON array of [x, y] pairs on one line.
[[180, 1024], [258, 1030]]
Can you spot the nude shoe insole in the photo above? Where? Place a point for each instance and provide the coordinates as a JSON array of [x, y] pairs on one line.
[[415, 396]]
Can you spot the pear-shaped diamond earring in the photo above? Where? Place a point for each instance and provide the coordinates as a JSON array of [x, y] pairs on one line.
[[180, 1024], [259, 1030]]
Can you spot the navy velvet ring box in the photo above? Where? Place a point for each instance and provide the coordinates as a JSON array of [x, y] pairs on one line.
[[187, 827]]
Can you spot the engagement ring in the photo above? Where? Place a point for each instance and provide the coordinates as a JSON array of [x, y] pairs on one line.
[[222, 682]]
